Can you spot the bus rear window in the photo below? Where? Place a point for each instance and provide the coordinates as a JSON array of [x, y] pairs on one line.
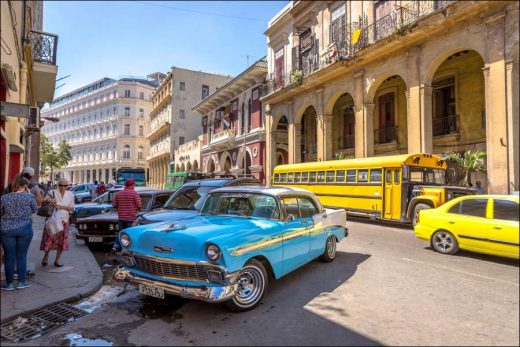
[[312, 177], [340, 176], [330, 176], [362, 176], [297, 176], [321, 176], [351, 176], [375, 176]]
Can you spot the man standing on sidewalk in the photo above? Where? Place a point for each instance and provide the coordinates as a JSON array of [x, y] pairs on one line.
[[128, 203]]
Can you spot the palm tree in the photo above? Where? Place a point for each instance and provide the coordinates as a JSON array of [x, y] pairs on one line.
[[469, 162]]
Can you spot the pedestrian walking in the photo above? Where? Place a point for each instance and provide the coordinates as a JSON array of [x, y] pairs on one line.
[[93, 191], [63, 201], [479, 188], [16, 234], [128, 203], [101, 189]]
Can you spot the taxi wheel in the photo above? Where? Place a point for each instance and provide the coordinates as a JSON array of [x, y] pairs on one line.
[[252, 282], [444, 242], [330, 250]]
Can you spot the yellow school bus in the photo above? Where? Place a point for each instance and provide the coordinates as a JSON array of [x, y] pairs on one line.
[[391, 188]]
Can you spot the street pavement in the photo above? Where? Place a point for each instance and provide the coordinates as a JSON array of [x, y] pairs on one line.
[[384, 287], [78, 278]]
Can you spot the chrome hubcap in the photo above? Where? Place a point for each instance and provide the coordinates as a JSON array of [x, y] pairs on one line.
[[250, 286], [331, 247], [443, 242]]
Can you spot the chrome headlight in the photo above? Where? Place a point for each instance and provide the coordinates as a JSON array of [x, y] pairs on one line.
[[116, 226], [84, 227], [111, 227], [213, 252], [125, 240]]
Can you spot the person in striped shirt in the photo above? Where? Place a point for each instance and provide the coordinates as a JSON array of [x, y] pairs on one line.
[[128, 203]]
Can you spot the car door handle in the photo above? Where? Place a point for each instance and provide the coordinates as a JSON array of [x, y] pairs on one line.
[[305, 222], [451, 222], [498, 228]]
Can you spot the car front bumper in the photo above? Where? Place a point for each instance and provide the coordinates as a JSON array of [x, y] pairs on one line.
[[202, 293]]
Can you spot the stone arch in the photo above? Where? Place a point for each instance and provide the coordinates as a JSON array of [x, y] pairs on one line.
[[177, 168], [240, 157], [377, 82], [210, 165], [309, 135], [298, 115], [343, 123], [183, 167], [188, 166], [332, 100], [223, 158], [435, 62], [195, 165]]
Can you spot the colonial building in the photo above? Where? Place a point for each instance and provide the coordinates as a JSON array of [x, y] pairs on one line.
[[187, 156], [372, 78], [233, 125], [105, 123], [172, 122], [27, 79]]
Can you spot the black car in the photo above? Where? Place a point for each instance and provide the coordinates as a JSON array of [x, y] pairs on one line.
[[103, 228], [188, 199]]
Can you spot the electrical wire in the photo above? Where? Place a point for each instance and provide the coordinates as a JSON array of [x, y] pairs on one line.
[[203, 12]]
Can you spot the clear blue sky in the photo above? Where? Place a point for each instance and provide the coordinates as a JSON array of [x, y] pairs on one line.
[[109, 39]]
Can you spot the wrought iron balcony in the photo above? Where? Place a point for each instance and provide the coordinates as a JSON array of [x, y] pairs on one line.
[[445, 125], [44, 47]]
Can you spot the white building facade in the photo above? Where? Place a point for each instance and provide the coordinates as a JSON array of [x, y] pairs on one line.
[[105, 123]]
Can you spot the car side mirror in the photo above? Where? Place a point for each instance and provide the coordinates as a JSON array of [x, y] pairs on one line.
[[291, 217]]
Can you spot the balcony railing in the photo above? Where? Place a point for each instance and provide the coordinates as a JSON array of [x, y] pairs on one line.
[[349, 40], [222, 135], [445, 125], [44, 46], [386, 135]]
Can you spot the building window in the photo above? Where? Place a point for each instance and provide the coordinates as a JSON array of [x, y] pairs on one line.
[[181, 140], [140, 153], [338, 26], [444, 107], [182, 114], [114, 129], [127, 129], [205, 91], [141, 130], [141, 112], [126, 152], [127, 111], [182, 86], [141, 95], [127, 93]]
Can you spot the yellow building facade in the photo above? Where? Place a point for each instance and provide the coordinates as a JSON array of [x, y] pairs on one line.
[[368, 78]]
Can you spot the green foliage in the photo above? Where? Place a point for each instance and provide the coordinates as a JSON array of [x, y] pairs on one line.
[[470, 161], [339, 156], [53, 158]]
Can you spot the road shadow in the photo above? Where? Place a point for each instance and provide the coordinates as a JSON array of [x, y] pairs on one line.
[[298, 309], [483, 257]]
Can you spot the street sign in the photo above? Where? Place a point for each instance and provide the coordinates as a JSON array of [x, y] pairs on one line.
[[9, 109]]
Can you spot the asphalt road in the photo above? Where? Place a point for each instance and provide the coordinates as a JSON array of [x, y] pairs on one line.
[[384, 287]]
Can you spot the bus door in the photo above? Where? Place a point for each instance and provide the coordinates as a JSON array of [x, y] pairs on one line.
[[392, 195]]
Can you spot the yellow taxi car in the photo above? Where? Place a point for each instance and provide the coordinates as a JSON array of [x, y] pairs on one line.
[[479, 223]]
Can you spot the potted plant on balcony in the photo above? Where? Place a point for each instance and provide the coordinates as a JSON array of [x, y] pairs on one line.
[[296, 76]]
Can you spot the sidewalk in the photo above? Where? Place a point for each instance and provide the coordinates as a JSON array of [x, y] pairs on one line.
[[79, 277]]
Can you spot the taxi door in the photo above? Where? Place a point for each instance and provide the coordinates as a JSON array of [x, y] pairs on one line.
[[392, 195], [503, 233]]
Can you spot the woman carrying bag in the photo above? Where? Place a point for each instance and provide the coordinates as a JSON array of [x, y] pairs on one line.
[[56, 237], [16, 231]]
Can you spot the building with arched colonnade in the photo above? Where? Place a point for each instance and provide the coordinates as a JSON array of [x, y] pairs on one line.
[[371, 78]]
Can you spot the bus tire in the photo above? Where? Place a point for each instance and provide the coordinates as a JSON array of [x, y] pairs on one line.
[[416, 209]]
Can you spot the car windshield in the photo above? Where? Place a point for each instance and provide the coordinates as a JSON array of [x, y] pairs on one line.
[[144, 199], [190, 198], [427, 175], [105, 198], [241, 204]]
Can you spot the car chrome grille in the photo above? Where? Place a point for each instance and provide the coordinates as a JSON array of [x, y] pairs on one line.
[[167, 269]]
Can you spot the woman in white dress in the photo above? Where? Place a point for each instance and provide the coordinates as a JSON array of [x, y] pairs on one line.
[[63, 201]]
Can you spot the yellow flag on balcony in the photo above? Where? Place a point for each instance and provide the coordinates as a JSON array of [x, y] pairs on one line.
[[355, 36]]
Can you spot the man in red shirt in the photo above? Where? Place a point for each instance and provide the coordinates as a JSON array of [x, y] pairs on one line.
[[128, 203]]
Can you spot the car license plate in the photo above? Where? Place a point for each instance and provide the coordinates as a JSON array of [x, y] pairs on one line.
[[95, 239], [151, 291]]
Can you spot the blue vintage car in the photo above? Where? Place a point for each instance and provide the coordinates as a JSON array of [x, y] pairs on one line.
[[243, 236], [101, 204]]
